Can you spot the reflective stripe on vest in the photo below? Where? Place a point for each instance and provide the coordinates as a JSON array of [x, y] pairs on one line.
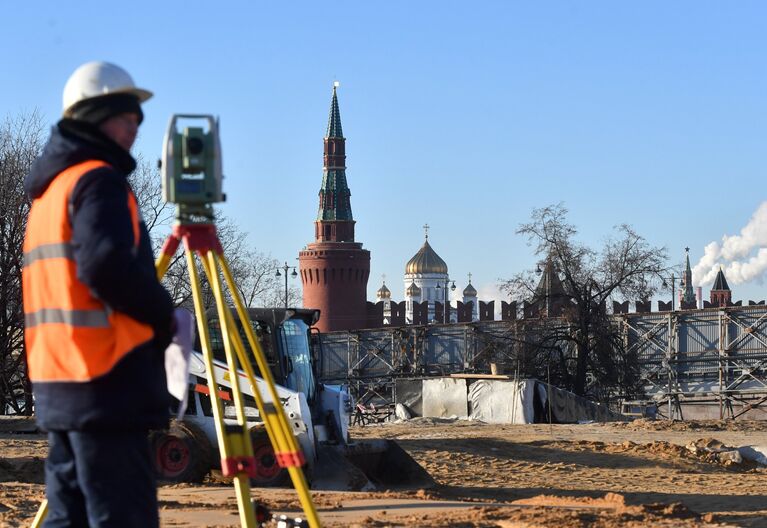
[[70, 335], [49, 251], [84, 318]]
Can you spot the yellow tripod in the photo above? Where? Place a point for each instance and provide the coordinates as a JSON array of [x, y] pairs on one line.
[[234, 441]]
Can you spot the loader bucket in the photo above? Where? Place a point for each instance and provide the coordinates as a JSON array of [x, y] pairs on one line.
[[369, 464]]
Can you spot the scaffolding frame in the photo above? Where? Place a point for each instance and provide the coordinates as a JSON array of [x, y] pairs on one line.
[[715, 356]]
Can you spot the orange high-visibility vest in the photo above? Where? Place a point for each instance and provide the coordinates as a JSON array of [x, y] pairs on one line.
[[70, 335]]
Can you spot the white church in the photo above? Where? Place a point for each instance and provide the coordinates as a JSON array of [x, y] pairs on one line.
[[426, 279]]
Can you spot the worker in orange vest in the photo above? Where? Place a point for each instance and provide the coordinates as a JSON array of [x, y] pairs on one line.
[[96, 318]]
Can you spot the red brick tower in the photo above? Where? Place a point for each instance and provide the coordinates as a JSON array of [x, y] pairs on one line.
[[335, 268], [720, 293]]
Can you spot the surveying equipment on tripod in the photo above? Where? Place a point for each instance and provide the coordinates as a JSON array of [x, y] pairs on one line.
[[191, 167], [192, 180]]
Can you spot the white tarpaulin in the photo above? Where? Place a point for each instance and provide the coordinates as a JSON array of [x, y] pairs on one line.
[[445, 398], [507, 402]]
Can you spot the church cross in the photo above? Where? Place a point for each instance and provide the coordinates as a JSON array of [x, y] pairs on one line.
[[426, 230]]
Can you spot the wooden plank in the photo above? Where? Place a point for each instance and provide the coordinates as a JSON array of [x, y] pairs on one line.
[[481, 376]]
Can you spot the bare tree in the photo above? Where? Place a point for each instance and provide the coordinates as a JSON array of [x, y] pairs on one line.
[[20, 144], [253, 271], [587, 350], [147, 186]]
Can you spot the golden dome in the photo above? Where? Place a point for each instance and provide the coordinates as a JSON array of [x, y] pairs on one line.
[[469, 291], [413, 290], [383, 292], [426, 261]]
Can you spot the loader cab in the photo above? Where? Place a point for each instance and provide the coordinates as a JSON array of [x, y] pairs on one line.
[[286, 340]]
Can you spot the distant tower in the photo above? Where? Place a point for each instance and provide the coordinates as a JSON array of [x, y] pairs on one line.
[[720, 293], [470, 296], [549, 298], [384, 295], [413, 294], [428, 273], [686, 292], [335, 268]]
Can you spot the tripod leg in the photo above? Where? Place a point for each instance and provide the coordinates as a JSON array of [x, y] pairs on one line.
[[163, 260], [239, 450], [242, 357], [211, 270], [290, 454], [282, 434], [41, 514]]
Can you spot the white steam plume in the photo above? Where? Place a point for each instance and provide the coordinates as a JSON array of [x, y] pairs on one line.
[[743, 257]]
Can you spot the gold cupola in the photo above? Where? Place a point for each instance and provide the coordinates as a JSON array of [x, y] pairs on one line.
[[426, 261], [413, 290], [383, 292]]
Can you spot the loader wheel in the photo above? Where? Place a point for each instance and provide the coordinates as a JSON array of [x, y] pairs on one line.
[[269, 474], [182, 453]]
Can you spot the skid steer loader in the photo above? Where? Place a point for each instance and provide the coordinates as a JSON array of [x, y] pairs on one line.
[[318, 414]]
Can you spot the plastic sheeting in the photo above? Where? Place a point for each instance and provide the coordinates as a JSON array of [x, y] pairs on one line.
[[445, 398], [566, 407], [506, 402], [497, 401], [409, 392]]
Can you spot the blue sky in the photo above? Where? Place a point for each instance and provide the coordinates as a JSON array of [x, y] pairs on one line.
[[463, 115]]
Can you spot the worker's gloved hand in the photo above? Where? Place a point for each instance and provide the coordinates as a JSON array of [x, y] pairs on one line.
[[177, 357], [183, 328]]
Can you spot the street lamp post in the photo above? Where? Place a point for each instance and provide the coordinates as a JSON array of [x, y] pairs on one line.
[[444, 308], [285, 269], [673, 289]]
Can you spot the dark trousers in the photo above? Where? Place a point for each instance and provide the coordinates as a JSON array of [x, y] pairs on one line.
[[100, 479]]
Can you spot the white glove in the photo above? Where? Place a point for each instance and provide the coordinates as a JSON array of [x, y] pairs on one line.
[[177, 358]]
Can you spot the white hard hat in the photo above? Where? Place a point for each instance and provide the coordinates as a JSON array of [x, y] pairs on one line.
[[94, 79]]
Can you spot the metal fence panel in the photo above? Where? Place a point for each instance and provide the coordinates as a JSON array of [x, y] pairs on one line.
[[445, 347], [698, 346], [334, 361]]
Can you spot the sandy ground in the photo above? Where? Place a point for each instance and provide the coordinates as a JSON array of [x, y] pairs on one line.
[[612, 475]]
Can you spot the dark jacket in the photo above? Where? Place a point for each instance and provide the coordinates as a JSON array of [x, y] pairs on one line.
[[133, 395]]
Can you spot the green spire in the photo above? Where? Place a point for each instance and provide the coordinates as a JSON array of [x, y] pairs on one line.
[[334, 120], [335, 196], [335, 203]]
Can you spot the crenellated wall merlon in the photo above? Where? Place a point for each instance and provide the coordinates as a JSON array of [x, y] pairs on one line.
[[510, 311]]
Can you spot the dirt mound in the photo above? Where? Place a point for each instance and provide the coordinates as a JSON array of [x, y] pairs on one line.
[[706, 450], [643, 424], [24, 469], [609, 511]]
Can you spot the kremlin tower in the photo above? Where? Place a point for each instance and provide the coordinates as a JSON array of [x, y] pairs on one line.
[[720, 293], [687, 299], [335, 268]]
